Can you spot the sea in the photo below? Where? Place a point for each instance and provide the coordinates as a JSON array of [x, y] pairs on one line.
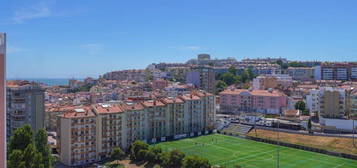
[[47, 81]]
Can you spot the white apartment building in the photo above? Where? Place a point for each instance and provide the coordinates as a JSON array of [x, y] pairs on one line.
[[312, 101]]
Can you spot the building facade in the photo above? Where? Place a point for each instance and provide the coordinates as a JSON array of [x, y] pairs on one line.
[[339, 71], [302, 73], [235, 101], [313, 101], [25, 105], [264, 82], [332, 102], [203, 78], [138, 75], [90, 134]]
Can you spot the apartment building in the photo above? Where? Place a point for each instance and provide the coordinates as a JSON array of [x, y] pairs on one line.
[[301, 73], [203, 78], [332, 102], [104, 126], [25, 105], [235, 101], [178, 73], [312, 100], [51, 114], [139, 75], [263, 82], [352, 103], [76, 137], [339, 71]]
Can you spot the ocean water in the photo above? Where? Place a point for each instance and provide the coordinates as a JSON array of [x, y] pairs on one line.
[[46, 81]]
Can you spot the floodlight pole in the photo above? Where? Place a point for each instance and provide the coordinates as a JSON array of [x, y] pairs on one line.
[[353, 133], [278, 155]]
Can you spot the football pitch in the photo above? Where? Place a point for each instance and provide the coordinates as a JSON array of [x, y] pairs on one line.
[[229, 151]]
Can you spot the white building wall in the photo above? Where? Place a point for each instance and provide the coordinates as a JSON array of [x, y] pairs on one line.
[[340, 124]]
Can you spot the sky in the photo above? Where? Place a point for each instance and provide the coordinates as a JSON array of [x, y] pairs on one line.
[[73, 38]]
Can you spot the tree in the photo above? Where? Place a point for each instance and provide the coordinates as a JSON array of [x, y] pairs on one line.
[[300, 105], [136, 147], [247, 75], [309, 125], [165, 159], [27, 152], [16, 159], [156, 151], [43, 147], [195, 161], [232, 70], [117, 154], [296, 64], [229, 78], [21, 138], [32, 158], [141, 155], [175, 158], [221, 85], [150, 156]]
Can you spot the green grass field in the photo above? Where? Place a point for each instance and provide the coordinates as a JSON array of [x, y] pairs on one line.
[[229, 151]]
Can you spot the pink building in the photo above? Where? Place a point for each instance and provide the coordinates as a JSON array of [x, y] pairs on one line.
[[159, 84], [261, 101]]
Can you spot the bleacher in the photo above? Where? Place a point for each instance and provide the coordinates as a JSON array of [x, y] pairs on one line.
[[236, 129]]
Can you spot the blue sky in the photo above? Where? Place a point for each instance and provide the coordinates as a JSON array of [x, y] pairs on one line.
[[72, 38]]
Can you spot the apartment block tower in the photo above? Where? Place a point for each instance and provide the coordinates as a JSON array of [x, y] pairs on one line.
[[2, 99], [90, 134], [203, 78], [25, 105], [332, 102]]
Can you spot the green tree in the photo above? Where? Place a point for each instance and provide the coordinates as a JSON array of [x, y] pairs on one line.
[[279, 62], [229, 78], [141, 155], [117, 154], [150, 156], [43, 147], [156, 151], [136, 147], [221, 85], [309, 125], [165, 159], [300, 105], [16, 159], [195, 161], [32, 158], [296, 64], [232, 70], [175, 158], [21, 138]]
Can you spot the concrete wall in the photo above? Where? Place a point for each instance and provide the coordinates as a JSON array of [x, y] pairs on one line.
[[340, 124], [65, 154]]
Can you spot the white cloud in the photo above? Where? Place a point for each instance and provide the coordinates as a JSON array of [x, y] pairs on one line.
[[193, 48], [39, 10], [92, 48]]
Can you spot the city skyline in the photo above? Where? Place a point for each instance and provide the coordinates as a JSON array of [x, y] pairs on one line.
[[65, 39]]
